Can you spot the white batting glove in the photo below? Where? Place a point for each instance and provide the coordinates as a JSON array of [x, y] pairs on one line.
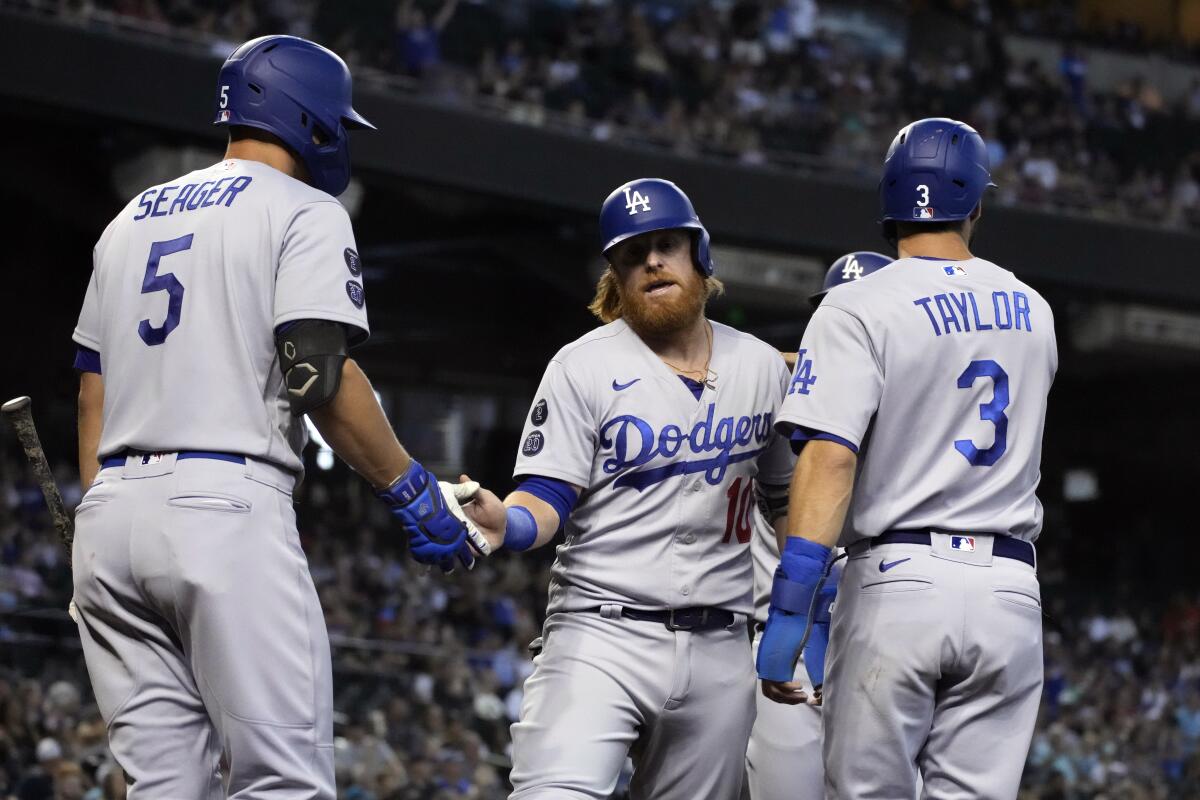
[[456, 495]]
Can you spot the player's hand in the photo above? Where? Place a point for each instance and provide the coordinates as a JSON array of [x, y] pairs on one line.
[[787, 692], [486, 511], [456, 496], [778, 650], [435, 535], [789, 359], [794, 596]]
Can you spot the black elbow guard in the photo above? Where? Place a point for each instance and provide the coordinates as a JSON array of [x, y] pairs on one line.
[[311, 354]]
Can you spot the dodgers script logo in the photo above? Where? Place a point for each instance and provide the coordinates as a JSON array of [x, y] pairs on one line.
[[634, 443]]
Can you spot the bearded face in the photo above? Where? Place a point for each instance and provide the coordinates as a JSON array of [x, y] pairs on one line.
[[660, 289]]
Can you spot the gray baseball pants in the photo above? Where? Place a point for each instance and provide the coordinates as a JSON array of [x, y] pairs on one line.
[[783, 757], [934, 666], [680, 703], [202, 631]]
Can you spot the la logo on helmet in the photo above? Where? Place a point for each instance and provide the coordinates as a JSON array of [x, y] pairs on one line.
[[852, 270], [634, 199]]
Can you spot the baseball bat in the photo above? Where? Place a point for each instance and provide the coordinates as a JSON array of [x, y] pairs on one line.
[[19, 414]]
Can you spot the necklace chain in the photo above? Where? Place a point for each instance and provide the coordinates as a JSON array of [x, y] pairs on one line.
[[709, 377]]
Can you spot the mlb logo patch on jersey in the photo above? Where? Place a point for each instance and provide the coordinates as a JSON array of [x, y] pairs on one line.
[[954, 271], [964, 543], [922, 213], [151, 458]]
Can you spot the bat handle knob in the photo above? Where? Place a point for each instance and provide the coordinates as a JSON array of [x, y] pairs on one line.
[[16, 404]]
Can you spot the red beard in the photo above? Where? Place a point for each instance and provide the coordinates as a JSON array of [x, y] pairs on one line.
[[657, 317]]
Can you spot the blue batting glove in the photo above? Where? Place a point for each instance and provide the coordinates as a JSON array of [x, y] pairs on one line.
[[780, 645], [797, 580], [435, 536], [818, 637]]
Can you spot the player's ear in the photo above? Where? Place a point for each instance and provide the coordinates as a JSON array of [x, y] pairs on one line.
[[971, 226]]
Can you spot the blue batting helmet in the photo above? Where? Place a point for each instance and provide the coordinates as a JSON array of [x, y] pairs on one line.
[[652, 204], [935, 171], [847, 269], [298, 91]]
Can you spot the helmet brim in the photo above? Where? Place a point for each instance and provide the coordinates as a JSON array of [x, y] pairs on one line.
[[616, 240], [356, 121]]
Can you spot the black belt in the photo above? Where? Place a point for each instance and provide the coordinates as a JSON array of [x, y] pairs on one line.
[[1002, 546], [696, 618]]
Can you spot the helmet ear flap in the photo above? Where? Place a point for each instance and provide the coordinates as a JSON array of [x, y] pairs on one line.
[[702, 251]]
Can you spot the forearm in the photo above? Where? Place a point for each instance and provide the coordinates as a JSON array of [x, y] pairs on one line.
[[822, 485], [355, 427], [544, 515], [780, 526], [90, 419]]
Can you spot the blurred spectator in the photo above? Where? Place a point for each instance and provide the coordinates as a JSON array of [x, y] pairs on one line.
[[763, 82], [418, 39], [429, 669]]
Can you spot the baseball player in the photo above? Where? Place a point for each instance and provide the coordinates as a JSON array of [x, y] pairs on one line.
[[918, 399], [645, 441], [220, 309], [783, 757]]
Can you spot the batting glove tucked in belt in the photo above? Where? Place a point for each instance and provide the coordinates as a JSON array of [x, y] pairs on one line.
[[435, 535], [798, 618]]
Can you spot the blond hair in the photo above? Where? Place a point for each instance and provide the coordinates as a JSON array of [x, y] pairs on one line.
[[606, 303]]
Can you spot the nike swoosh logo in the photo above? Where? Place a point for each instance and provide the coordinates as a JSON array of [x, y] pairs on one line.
[[619, 387], [884, 566]]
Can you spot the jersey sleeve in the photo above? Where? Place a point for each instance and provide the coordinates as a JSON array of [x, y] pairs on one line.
[[837, 381], [320, 272], [559, 440], [775, 466], [87, 329]]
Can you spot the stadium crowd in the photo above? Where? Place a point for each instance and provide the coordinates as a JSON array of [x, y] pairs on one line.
[[429, 668], [760, 81]]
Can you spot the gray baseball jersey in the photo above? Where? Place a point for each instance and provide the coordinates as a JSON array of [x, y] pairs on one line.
[[764, 553], [952, 438], [189, 552], [664, 519], [939, 372], [189, 283]]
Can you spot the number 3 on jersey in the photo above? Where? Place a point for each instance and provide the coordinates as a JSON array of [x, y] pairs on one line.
[[992, 412], [166, 282]]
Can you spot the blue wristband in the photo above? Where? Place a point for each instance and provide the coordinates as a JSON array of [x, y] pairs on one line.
[[802, 558], [521, 530]]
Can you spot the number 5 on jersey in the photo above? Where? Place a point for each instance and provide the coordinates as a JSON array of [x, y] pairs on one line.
[[166, 282], [802, 376]]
